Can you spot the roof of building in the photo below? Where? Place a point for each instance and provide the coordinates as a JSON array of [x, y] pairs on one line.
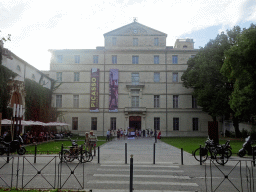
[[135, 28]]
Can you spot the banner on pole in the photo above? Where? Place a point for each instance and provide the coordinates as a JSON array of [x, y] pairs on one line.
[[94, 90], [113, 90]]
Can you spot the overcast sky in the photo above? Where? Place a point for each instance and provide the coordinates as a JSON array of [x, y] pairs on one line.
[[36, 26]]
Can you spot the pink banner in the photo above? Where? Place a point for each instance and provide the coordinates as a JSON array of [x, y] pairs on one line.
[[113, 90], [94, 90]]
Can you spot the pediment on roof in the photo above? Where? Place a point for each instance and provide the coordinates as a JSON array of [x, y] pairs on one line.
[[135, 28]]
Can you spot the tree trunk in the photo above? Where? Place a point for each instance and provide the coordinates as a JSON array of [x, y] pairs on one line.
[[236, 126]]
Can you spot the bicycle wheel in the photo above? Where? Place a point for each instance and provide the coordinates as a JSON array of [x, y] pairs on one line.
[[67, 156], [221, 159], [204, 154], [228, 152], [87, 156]]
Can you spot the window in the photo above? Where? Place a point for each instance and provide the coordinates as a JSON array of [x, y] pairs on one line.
[[156, 42], [175, 124], [114, 41], [156, 76], [194, 102], [76, 101], [77, 58], [195, 124], [94, 123], [18, 68], [192, 56], [95, 59], [135, 78], [114, 59], [175, 59], [59, 58], [59, 76], [76, 76], [175, 101], [174, 77], [135, 101], [33, 76], [185, 46], [59, 101], [74, 123], [156, 101], [135, 42], [156, 123], [135, 59], [113, 123], [156, 59]]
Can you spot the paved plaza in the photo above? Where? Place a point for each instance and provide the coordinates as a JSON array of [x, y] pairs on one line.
[[112, 174]]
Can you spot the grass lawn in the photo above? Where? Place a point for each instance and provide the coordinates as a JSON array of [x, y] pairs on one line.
[[54, 147], [190, 144]]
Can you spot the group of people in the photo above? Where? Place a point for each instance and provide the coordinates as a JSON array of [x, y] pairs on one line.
[[90, 142], [120, 133]]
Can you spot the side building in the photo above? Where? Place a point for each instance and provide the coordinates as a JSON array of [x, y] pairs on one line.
[[133, 81]]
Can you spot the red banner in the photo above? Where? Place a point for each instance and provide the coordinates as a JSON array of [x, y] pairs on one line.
[[94, 90], [113, 90]]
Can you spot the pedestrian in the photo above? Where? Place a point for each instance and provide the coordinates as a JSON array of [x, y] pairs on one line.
[[92, 142], [159, 135], [86, 142], [118, 134], [108, 135], [121, 133], [125, 133]]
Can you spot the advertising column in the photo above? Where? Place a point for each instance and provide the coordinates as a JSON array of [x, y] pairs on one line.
[[94, 90]]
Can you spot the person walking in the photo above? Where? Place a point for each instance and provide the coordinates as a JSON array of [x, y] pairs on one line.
[[108, 135]]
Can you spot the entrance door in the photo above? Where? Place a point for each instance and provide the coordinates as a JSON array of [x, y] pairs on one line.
[[135, 122]]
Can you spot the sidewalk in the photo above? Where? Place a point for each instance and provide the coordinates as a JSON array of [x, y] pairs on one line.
[[113, 152]]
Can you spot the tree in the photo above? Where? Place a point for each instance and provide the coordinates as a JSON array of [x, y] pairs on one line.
[[208, 83], [239, 67]]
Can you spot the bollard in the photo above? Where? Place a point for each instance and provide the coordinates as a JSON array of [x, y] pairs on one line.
[[8, 153], [125, 153], [35, 153], [98, 154], [61, 153], [81, 154], [253, 156], [181, 156], [154, 153], [131, 173], [200, 155]]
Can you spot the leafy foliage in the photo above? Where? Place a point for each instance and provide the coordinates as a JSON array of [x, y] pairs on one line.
[[38, 103], [239, 66], [203, 75]]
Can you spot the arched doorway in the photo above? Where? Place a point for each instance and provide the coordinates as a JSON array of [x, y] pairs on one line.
[[135, 122], [16, 98]]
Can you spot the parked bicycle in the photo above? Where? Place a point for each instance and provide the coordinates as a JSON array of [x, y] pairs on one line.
[[221, 153], [76, 152]]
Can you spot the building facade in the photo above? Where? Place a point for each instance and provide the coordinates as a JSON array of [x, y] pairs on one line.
[[133, 81]]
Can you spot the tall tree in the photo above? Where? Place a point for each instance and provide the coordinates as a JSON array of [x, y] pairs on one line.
[[204, 76], [239, 67]]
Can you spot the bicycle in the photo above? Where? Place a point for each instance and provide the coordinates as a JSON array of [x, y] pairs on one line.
[[75, 152], [221, 153]]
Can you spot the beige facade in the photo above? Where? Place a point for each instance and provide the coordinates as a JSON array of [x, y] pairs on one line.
[[150, 91]]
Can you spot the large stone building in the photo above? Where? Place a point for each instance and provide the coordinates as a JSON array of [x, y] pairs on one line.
[[133, 81]]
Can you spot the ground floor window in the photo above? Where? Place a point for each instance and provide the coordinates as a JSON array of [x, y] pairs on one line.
[[157, 123], [113, 123], [195, 124], [94, 123], [176, 124], [74, 123]]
